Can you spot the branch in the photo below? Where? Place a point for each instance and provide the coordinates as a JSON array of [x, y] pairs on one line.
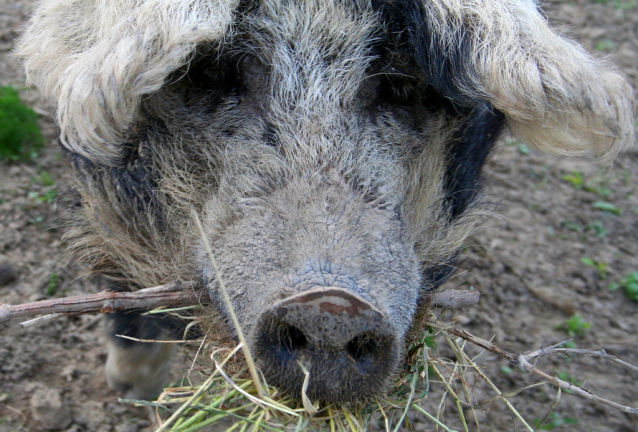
[[455, 299], [171, 294], [523, 362], [174, 294], [588, 353]]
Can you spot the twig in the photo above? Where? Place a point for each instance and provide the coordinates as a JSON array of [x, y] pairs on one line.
[[587, 353], [45, 319], [455, 299], [522, 362], [171, 294], [174, 294]]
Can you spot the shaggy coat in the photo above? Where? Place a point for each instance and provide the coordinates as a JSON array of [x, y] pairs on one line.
[[323, 143]]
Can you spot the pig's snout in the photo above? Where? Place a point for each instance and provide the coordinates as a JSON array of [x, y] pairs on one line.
[[347, 345]]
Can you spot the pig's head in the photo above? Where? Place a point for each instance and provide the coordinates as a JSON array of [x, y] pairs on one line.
[[332, 149]]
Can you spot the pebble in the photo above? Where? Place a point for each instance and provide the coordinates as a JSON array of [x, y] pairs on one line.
[[7, 274], [48, 408]]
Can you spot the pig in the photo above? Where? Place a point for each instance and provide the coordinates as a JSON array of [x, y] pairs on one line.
[[332, 149]]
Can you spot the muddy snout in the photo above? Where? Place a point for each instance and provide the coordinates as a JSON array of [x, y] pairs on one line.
[[348, 346]]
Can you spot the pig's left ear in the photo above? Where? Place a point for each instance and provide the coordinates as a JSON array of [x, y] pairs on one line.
[[95, 60], [555, 96]]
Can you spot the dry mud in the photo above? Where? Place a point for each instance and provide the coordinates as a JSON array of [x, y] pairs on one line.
[[527, 262]]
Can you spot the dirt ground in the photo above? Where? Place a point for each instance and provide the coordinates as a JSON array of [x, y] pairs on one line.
[[527, 262]]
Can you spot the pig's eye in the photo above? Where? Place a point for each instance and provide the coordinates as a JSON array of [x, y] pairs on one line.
[[397, 89], [215, 73]]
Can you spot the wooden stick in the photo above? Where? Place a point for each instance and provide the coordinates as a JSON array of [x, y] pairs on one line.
[[523, 362], [171, 294], [455, 299]]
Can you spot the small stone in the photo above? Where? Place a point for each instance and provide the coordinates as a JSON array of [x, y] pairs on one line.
[[126, 427], [92, 416], [49, 409], [7, 274]]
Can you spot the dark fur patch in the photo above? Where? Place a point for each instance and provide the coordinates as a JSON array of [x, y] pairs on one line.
[[133, 176], [467, 156], [434, 276], [446, 65]]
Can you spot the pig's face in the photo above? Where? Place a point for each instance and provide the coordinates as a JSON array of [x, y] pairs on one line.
[[333, 150], [344, 181]]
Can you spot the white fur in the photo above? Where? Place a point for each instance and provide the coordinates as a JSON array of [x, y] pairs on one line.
[[555, 95], [96, 59]]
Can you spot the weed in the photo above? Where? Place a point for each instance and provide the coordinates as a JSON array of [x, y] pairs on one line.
[[47, 197], [598, 228], [46, 180], [601, 267], [570, 379], [36, 220], [619, 4], [53, 284], [577, 180], [608, 207], [521, 147], [555, 420], [573, 226], [606, 45], [20, 136], [506, 370], [574, 326], [629, 284]]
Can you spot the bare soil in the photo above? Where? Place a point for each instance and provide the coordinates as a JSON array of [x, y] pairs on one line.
[[527, 262]]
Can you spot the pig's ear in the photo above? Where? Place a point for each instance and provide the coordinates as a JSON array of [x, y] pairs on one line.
[[95, 59], [555, 96]]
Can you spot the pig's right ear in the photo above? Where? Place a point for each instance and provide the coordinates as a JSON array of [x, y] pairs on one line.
[[95, 60], [554, 95]]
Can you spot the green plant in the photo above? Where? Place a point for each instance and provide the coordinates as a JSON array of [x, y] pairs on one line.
[[47, 197], [574, 326], [608, 207], [573, 226], [506, 370], [601, 267], [555, 420], [620, 4], [605, 45], [570, 379], [20, 136], [629, 284], [521, 147], [46, 180], [53, 284], [598, 228], [577, 180]]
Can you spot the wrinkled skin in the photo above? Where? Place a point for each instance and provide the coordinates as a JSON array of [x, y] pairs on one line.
[[332, 149]]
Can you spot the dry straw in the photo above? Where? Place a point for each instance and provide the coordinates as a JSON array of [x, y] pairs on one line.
[[430, 389]]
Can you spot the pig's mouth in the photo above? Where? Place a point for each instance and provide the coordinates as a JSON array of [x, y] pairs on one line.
[[348, 348]]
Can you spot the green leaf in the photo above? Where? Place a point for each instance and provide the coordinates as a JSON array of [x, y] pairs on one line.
[[605, 206]]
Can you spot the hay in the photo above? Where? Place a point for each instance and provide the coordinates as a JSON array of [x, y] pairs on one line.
[[228, 399]]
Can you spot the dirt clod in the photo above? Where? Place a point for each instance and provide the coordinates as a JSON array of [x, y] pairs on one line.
[[7, 274], [48, 408]]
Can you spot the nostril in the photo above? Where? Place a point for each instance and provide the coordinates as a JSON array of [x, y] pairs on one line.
[[361, 346], [292, 338]]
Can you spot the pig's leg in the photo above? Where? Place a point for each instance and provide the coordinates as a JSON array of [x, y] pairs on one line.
[[139, 369]]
